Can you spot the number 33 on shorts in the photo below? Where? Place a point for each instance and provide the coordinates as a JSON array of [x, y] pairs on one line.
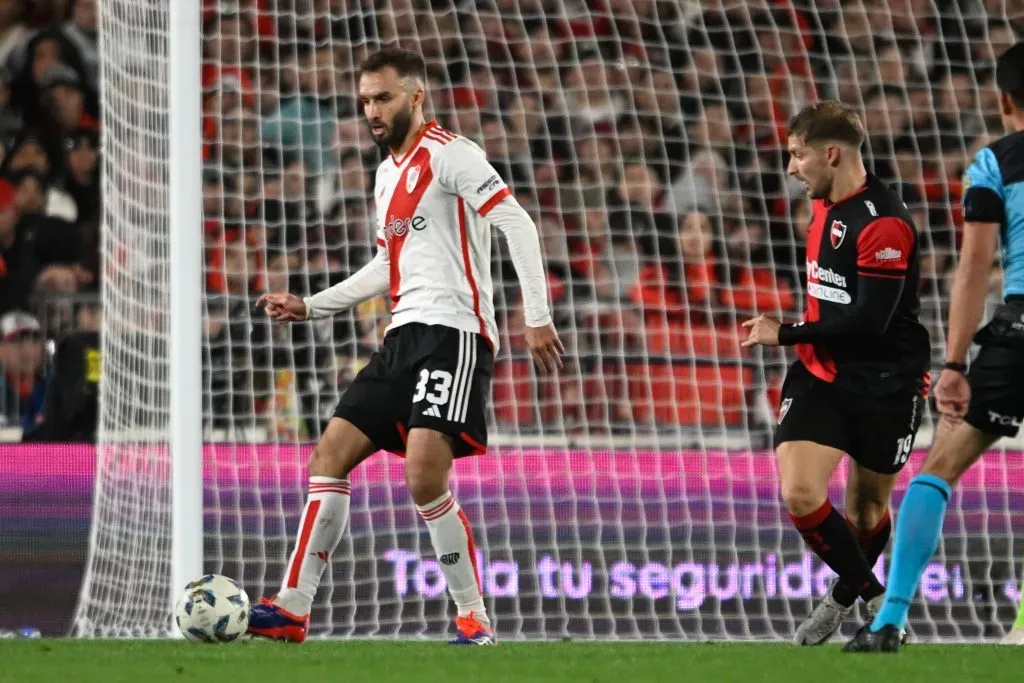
[[434, 386]]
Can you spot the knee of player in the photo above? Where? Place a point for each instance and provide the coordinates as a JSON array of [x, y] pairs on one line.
[[425, 483], [324, 464], [802, 498]]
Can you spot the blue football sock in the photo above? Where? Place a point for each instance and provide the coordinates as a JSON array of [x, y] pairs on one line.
[[918, 526]]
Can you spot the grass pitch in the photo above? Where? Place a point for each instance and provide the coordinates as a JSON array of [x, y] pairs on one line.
[[75, 661]]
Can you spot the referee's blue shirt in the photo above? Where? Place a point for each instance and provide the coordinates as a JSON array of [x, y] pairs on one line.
[[994, 193]]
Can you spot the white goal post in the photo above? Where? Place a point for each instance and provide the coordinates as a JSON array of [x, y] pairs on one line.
[[633, 496]]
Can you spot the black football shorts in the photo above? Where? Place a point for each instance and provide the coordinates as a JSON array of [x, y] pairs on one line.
[[997, 391], [429, 376], [877, 433]]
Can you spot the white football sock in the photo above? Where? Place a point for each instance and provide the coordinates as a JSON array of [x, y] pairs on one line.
[[323, 521], [453, 545]]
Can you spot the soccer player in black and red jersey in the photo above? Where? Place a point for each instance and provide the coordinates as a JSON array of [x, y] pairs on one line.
[[859, 382]]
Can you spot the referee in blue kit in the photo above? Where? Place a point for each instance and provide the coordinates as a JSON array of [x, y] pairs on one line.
[[983, 404]]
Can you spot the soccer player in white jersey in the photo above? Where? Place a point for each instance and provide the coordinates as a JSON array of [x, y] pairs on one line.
[[424, 393]]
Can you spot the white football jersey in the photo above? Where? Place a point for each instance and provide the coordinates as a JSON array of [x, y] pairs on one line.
[[432, 206]]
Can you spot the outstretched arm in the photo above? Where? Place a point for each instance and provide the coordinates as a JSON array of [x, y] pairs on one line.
[[369, 281], [877, 297]]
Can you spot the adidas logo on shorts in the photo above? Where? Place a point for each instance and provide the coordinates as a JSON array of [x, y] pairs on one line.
[[432, 411]]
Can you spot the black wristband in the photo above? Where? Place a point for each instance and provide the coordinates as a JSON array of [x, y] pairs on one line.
[[955, 367]]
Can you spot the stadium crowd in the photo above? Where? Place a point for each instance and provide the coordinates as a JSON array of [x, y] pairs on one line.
[[646, 137]]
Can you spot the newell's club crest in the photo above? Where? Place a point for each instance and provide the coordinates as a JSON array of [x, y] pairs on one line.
[[411, 176], [836, 233]]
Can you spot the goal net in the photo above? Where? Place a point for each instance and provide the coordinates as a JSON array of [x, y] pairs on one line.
[[632, 496]]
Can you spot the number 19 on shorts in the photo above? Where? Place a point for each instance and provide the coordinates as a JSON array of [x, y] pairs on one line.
[[903, 447]]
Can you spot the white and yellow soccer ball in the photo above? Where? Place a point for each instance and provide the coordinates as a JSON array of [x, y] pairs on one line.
[[212, 609]]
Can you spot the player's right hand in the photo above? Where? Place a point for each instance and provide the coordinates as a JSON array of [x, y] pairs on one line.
[[952, 395], [545, 347], [283, 307]]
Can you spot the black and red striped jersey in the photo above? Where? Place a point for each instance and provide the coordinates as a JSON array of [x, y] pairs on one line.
[[860, 327]]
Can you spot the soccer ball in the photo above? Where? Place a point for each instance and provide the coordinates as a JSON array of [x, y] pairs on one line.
[[213, 609]]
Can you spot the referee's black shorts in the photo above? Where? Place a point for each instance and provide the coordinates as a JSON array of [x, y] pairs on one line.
[[430, 376], [997, 391], [877, 433]]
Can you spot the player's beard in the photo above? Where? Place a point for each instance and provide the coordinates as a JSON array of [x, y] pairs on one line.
[[820, 191], [397, 131]]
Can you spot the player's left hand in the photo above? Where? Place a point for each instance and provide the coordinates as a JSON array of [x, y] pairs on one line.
[[545, 347], [763, 330], [952, 395]]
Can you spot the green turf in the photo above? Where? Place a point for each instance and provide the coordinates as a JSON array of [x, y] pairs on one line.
[[72, 661]]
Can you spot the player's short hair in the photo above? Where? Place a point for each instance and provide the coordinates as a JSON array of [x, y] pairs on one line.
[[406, 62], [828, 121], [1010, 73]]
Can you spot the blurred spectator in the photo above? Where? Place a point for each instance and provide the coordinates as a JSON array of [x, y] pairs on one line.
[[10, 117], [701, 187], [604, 264], [228, 50], [686, 290], [71, 407], [596, 163], [17, 267], [30, 187], [80, 31], [754, 287], [302, 122], [28, 155], [82, 173], [23, 380], [13, 32], [589, 97], [45, 51], [63, 109], [350, 184]]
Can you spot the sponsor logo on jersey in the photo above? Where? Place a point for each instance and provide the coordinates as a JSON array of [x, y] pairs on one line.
[[1005, 420], [888, 254], [830, 294], [827, 275], [871, 208], [397, 227], [490, 184], [411, 176], [836, 233]]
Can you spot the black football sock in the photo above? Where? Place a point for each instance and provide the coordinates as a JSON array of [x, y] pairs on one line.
[[872, 544], [831, 539]]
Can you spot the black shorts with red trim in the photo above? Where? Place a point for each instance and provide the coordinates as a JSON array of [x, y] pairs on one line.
[[878, 433], [429, 376]]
